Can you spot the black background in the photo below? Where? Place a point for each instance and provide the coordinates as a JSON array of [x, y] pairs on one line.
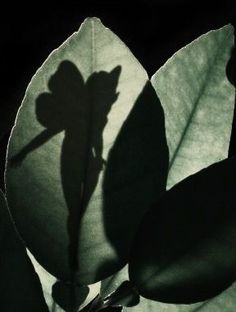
[[153, 30]]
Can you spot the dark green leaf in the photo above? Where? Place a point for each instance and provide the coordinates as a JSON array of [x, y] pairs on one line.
[[20, 289], [185, 249], [136, 171]]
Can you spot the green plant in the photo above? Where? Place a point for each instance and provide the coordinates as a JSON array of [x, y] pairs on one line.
[[94, 148]]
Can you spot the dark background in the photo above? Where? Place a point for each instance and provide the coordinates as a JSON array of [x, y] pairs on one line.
[[153, 30]]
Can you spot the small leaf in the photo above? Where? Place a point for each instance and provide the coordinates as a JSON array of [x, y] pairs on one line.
[[184, 251], [20, 288], [71, 115], [198, 101]]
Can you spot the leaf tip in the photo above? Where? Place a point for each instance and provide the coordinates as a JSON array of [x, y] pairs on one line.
[[228, 28], [92, 20]]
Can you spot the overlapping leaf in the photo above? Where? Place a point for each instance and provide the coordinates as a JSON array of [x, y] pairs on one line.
[[198, 101], [184, 251]]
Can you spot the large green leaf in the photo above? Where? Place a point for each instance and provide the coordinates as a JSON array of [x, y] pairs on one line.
[[185, 249], [77, 223], [198, 101], [20, 288]]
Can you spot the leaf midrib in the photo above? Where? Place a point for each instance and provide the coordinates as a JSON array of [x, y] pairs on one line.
[[90, 121]]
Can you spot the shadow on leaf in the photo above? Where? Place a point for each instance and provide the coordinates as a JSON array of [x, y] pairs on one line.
[[80, 109], [135, 174]]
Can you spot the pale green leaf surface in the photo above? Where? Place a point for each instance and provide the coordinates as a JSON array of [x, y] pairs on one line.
[[72, 112], [20, 288], [198, 101], [42, 166]]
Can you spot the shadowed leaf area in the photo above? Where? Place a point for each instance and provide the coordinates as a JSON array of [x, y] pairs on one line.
[[184, 250], [65, 108], [20, 289], [139, 155]]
